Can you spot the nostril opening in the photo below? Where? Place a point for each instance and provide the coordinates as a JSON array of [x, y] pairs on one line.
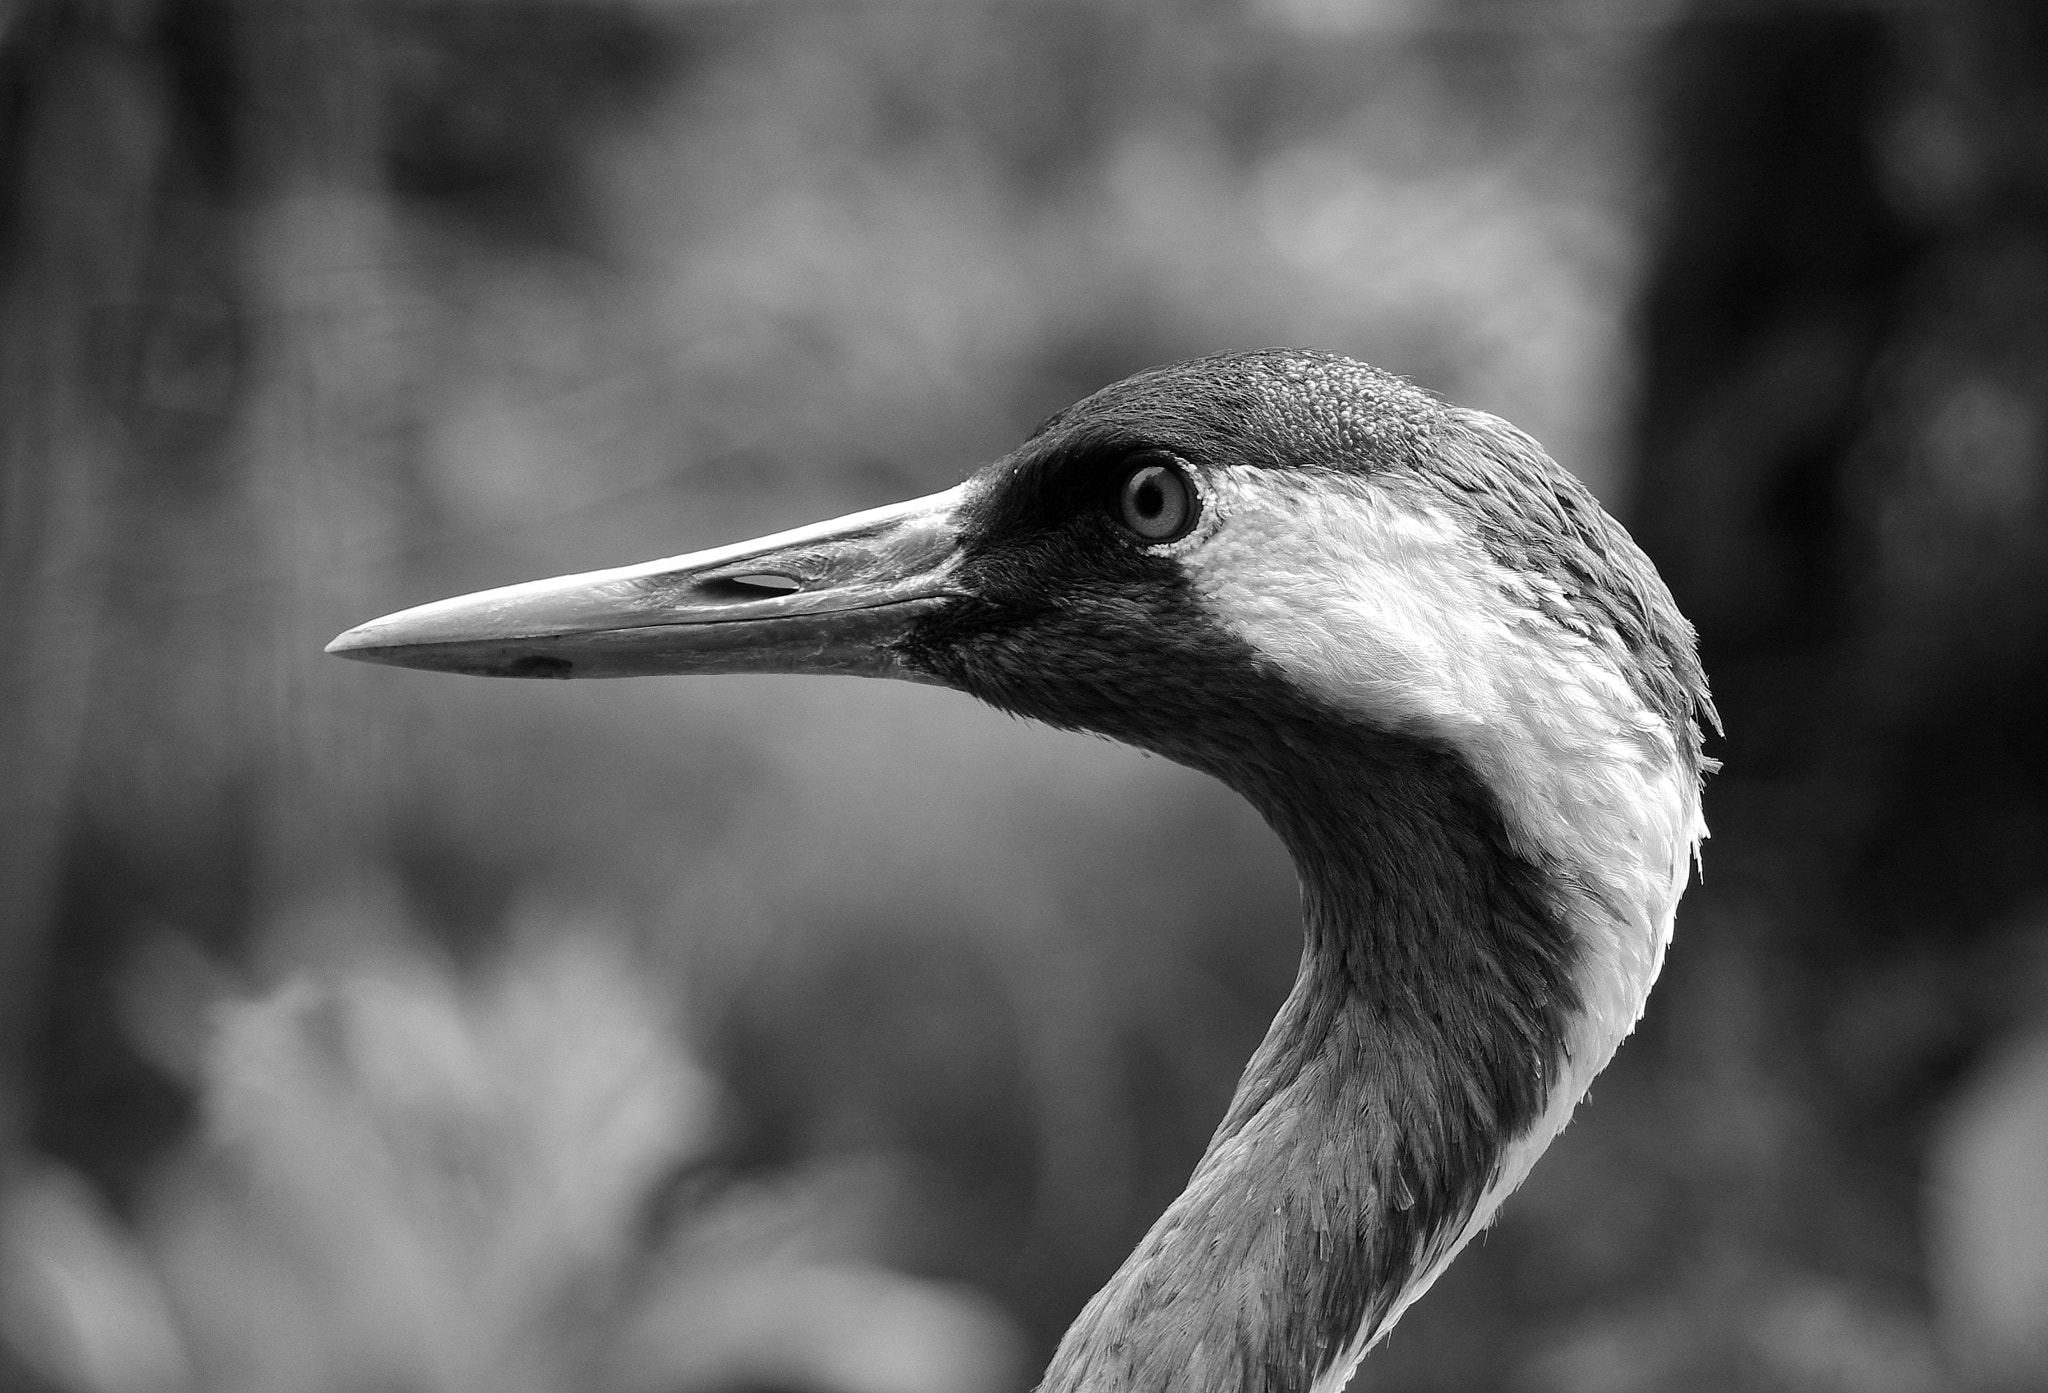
[[539, 665], [751, 585]]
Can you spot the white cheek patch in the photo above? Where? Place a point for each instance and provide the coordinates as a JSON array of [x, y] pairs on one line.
[[1395, 612]]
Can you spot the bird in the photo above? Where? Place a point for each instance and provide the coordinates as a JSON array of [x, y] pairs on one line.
[[1448, 680]]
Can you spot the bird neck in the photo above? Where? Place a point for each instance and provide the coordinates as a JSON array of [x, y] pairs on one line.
[[1377, 1124]]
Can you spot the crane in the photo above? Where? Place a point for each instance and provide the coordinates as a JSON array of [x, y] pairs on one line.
[[1447, 679]]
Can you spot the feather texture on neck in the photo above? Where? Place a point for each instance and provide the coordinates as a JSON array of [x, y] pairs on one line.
[[1426, 1032]]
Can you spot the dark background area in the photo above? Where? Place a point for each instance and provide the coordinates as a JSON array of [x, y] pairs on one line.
[[363, 1029]]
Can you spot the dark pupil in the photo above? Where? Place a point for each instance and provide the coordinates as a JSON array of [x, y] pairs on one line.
[[1149, 497]]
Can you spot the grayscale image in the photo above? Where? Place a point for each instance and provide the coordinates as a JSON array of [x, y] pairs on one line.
[[1450, 794]]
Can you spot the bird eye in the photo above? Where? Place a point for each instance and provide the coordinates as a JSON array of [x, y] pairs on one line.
[[1156, 500]]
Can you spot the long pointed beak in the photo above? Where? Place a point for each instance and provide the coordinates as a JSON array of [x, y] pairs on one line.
[[833, 597]]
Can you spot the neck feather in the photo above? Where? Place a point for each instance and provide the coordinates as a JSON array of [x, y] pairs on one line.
[[1425, 1037]]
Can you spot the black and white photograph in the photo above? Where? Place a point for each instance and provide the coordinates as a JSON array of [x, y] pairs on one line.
[[1326, 695]]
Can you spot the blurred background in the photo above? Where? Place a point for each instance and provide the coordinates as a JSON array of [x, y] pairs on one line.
[[370, 1030]]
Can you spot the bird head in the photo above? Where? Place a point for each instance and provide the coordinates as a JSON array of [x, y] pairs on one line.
[[1212, 561]]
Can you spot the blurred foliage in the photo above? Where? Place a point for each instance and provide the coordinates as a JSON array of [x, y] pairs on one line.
[[314, 310], [409, 1181]]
